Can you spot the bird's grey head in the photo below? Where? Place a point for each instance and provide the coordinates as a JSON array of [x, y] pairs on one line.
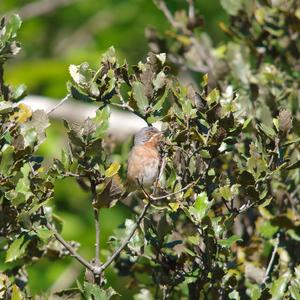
[[145, 135]]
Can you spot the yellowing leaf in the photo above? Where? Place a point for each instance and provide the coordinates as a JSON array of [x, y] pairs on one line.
[[16, 293], [174, 206], [112, 170], [23, 114], [213, 96]]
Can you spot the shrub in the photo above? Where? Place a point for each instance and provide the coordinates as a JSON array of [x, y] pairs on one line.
[[223, 222]]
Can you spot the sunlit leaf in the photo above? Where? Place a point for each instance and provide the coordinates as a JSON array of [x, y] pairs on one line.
[[16, 249]]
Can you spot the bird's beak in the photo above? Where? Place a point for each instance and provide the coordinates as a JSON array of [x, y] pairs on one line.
[[160, 133]]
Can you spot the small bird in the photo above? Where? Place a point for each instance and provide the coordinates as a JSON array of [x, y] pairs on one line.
[[144, 158], [142, 169]]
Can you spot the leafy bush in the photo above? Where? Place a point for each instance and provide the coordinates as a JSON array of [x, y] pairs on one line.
[[223, 222]]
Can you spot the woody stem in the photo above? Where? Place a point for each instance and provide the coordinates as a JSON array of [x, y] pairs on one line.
[[127, 240], [97, 237]]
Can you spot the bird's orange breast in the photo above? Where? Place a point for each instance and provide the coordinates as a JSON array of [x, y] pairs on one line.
[[143, 165]]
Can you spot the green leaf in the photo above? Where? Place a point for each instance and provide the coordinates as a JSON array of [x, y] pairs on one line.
[[93, 292], [254, 292], [81, 74], [139, 95], [267, 230], [247, 122], [225, 192], [279, 286], [43, 233], [101, 120], [200, 207], [234, 295], [14, 24], [6, 158], [34, 131], [229, 241], [112, 170], [205, 154], [5, 107], [294, 289], [19, 93], [269, 131], [16, 249]]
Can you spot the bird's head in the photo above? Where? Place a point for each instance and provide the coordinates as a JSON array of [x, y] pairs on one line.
[[149, 135]]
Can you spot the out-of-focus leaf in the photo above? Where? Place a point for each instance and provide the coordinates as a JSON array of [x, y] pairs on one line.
[[232, 6]]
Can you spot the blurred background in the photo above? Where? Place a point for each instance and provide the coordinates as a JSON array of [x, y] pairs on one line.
[[55, 34]]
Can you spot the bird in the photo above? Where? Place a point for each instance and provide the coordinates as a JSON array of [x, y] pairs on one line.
[[143, 166], [144, 159]]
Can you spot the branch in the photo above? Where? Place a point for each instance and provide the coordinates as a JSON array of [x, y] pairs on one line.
[[61, 102], [97, 238], [126, 241], [163, 7], [267, 274], [73, 253], [42, 7], [172, 194], [191, 9]]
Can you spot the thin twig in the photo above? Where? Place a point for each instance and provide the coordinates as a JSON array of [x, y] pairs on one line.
[[61, 102], [71, 250], [125, 106], [267, 274], [38, 8], [225, 203], [97, 238], [163, 7], [191, 9], [172, 194], [127, 240]]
